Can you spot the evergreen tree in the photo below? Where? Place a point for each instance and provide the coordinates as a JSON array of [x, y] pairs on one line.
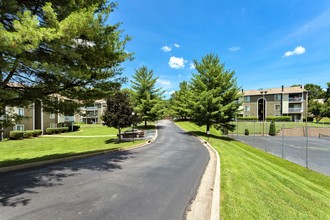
[[215, 94], [182, 101], [119, 112], [58, 47], [147, 99], [272, 128]]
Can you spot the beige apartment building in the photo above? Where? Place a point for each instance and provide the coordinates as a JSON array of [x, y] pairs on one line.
[[284, 101], [35, 118], [92, 114]]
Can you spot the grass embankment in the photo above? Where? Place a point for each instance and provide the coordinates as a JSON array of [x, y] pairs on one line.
[[55, 146], [257, 185]]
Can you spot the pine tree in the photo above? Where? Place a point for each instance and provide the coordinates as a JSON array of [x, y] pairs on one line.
[[58, 47], [215, 94], [147, 99], [182, 101]]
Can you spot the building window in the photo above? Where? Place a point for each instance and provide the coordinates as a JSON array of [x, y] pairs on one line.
[[247, 108], [19, 127], [277, 97], [20, 111], [277, 107], [51, 115], [52, 125], [246, 98]]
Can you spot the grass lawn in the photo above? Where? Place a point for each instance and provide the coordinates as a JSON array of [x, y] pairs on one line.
[[260, 127], [55, 146], [257, 185]]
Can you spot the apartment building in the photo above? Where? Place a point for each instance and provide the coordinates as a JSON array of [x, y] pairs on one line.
[[92, 114], [35, 118], [284, 101]]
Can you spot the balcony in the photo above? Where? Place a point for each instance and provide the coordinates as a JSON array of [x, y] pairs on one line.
[[295, 110], [295, 99]]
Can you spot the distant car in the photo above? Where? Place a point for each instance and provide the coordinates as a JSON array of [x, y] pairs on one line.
[[133, 133]]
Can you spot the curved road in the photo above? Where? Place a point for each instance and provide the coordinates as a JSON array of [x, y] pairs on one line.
[[156, 181]]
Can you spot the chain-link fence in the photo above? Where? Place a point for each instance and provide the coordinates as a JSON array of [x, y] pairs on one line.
[[307, 144]]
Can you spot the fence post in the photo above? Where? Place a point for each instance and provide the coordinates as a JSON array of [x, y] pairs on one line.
[[306, 131], [282, 141]]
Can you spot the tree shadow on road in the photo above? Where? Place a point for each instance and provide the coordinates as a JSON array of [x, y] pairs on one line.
[[16, 186], [205, 136]]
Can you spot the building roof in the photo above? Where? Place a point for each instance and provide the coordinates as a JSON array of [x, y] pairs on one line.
[[282, 90]]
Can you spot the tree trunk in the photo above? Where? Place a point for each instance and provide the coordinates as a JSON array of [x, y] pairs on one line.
[[145, 123], [119, 137], [207, 128]]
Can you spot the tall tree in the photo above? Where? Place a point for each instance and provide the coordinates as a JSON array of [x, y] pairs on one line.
[[147, 99], [58, 47], [215, 94], [182, 101], [326, 106], [119, 112]]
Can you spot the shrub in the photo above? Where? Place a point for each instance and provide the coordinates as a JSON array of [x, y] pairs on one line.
[[28, 134], [16, 135], [246, 131], [56, 130], [272, 129], [278, 118], [37, 133], [309, 119], [75, 127]]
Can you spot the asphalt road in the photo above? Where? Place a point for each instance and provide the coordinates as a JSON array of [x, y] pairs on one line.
[[156, 181], [295, 149]]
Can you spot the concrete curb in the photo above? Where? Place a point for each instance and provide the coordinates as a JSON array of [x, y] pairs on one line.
[[46, 162], [206, 204]]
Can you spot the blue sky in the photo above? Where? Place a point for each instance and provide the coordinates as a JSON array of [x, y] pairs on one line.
[[268, 43]]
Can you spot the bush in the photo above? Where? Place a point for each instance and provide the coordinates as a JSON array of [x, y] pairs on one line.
[[272, 129], [37, 133], [246, 131], [278, 118], [75, 127], [16, 135], [309, 119], [28, 134], [56, 130]]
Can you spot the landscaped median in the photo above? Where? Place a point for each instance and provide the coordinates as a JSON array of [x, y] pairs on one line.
[[257, 185], [91, 139]]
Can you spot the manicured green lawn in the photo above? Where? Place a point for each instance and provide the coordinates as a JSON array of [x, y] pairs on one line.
[[257, 185], [260, 127], [55, 146]]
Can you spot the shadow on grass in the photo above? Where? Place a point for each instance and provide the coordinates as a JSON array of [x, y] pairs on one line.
[[15, 189], [205, 136]]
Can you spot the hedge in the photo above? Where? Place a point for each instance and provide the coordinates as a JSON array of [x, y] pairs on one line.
[[19, 135], [278, 118], [16, 135], [56, 130]]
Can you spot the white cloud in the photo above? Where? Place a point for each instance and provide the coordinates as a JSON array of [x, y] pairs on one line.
[[177, 45], [169, 92], [234, 49], [166, 49], [163, 82], [177, 62], [192, 65], [297, 51], [179, 75]]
